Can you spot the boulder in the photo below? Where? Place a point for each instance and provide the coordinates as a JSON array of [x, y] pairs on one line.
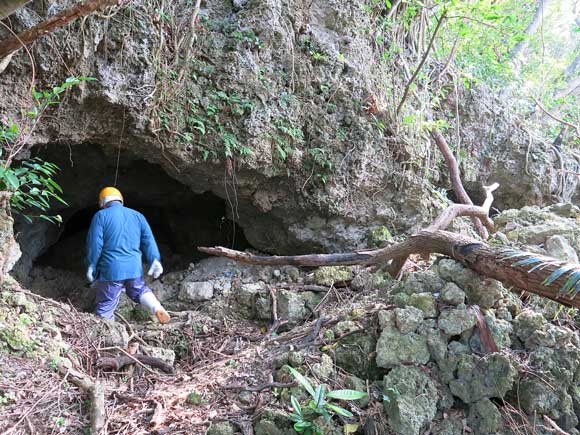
[[456, 320], [558, 247], [481, 378], [394, 348], [452, 294], [221, 428], [427, 281], [296, 306], [196, 291], [527, 322], [330, 275], [324, 369], [354, 354], [407, 319], [412, 400], [536, 396], [479, 291], [425, 302], [167, 355], [484, 417]]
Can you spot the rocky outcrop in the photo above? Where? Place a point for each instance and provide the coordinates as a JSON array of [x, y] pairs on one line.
[[9, 248]]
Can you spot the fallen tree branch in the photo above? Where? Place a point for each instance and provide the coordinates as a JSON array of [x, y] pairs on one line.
[[96, 392], [9, 6], [547, 277], [114, 363], [62, 19]]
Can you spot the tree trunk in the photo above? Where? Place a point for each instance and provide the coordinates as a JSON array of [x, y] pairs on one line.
[[456, 183], [29, 36]]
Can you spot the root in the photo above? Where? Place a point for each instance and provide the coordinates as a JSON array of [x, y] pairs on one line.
[[118, 362], [96, 392]]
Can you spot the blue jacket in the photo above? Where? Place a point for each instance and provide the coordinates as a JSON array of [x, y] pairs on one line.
[[117, 239]]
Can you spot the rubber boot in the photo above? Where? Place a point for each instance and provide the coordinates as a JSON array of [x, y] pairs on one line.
[[154, 306]]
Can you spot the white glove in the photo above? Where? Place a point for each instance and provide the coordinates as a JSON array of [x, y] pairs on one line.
[[156, 269], [90, 274]]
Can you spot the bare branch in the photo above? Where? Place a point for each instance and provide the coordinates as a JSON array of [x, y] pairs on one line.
[[423, 60], [555, 118]]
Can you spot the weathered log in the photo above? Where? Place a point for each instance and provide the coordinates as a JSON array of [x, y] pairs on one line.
[[29, 36], [117, 362]]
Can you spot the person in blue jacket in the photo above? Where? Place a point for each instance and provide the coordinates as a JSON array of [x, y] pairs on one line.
[[117, 240]]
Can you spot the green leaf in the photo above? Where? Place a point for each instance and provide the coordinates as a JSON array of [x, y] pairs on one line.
[[302, 380], [301, 426], [12, 179], [339, 410], [527, 261], [558, 273], [319, 396], [570, 282], [296, 406], [346, 394]]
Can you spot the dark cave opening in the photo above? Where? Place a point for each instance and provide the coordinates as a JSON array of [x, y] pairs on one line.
[[54, 256]]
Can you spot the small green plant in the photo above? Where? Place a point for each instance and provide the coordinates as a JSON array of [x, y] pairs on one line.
[[32, 187], [304, 416], [7, 397], [59, 421], [286, 137], [30, 184], [320, 164]]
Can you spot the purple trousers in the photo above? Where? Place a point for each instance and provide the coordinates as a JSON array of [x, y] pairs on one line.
[[109, 294]]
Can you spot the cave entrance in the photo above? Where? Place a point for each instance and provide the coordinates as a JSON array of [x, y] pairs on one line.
[[52, 263]]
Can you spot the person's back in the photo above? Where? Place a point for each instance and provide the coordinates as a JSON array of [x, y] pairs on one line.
[[125, 235], [117, 240]]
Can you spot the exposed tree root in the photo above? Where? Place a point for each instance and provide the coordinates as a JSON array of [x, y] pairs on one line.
[[541, 275], [115, 363], [96, 392]]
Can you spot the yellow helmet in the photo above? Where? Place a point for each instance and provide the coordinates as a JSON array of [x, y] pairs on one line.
[[109, 194]]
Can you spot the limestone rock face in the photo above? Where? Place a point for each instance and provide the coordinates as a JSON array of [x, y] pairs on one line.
[[9, 248]]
